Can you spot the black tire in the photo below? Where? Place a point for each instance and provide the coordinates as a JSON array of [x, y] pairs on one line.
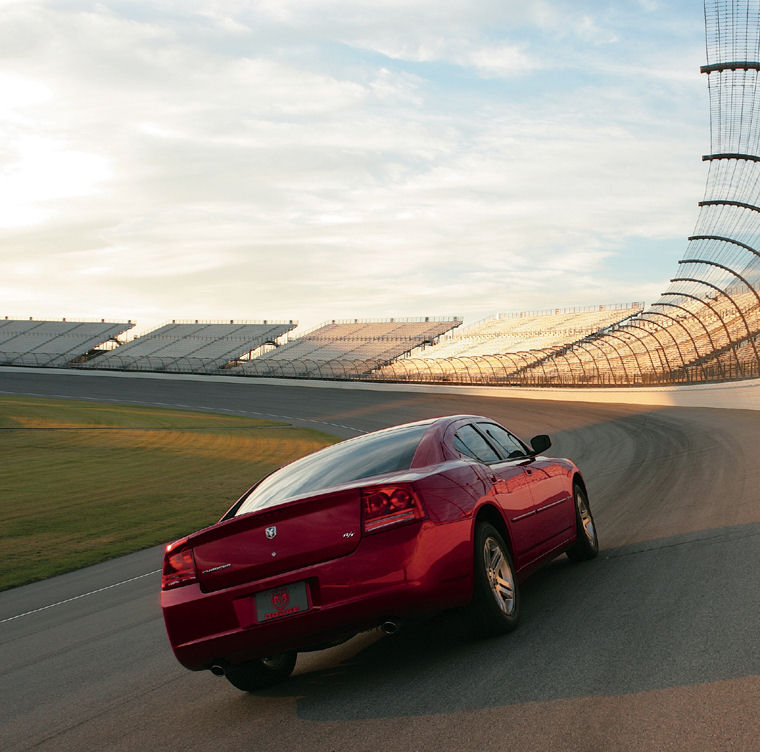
[[261, 673], [586, 544], [495, 606]]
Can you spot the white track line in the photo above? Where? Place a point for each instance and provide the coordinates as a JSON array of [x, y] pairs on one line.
[[77, 597], [94, 399]]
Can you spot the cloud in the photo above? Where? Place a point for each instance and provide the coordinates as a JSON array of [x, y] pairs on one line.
[[42, 172], [319, 160]]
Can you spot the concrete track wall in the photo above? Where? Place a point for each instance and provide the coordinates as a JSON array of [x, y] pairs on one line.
[[735, 395]]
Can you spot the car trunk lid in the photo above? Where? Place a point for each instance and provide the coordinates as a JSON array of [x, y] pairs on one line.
[[278, 539]]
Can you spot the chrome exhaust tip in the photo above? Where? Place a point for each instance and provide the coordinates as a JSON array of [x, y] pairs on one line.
[[390, 626]]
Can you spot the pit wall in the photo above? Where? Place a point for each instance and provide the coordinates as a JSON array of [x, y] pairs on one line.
[[735, 395]]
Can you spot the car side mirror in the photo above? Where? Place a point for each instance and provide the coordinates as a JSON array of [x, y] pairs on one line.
[[540, 443]]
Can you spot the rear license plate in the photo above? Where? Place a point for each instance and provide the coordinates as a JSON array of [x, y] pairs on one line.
[[281, 601]]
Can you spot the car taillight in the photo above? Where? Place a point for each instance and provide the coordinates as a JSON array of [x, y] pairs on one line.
[[389, 505], [179, 565]]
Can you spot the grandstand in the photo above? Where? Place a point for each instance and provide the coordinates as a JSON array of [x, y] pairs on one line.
[[706, 325], [533, 330], [499, 349], [199, 347], [343, 349], [51, 344], [502, 348], [671, 342], [682, 338]]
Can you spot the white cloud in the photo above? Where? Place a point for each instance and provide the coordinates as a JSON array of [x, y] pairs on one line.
[[319, 160], [17, 92], [501, 60], [41, 172]]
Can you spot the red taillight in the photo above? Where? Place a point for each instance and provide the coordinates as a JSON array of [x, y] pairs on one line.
[[179, 565], [389, 505]]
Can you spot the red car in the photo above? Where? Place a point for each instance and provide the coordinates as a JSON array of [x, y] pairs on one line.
[[391, 525]]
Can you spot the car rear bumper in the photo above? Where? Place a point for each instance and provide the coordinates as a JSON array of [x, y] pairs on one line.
[[399, 573]]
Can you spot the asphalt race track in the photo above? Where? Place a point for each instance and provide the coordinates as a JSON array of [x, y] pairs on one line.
[[655, 645]]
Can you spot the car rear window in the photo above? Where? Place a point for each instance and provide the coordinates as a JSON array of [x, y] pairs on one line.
[[373, 454]]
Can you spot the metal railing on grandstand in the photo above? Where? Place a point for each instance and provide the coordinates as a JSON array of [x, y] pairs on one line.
[[493, 372], [30, 359], [155, 364], [533, 369], [307, 368]]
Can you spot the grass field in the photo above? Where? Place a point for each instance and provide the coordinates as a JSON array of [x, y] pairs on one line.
[[81, 482]]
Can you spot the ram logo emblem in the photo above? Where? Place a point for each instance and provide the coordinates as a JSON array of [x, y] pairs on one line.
[[270, 532]]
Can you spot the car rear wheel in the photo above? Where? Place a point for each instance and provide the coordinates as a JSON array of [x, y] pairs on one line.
[[261, 673], [495, 607], [586, 544]]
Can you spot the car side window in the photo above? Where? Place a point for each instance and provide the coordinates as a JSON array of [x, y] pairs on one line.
[[469, 442], [511, 446]]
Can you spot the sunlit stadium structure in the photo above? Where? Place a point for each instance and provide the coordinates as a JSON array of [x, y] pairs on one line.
[[200, 347], [31, 342], [705, 326], [348, 349], [528, 330], [495, 349]]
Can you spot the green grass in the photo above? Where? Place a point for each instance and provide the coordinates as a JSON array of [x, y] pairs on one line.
[[81, 482]]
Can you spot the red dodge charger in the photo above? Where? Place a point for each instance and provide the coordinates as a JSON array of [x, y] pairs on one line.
[[394, 524]]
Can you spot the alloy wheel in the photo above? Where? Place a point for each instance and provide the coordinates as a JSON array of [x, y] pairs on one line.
[[584, 513], [499, 574]]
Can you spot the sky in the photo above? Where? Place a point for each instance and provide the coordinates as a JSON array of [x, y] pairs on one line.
[[328, 159]]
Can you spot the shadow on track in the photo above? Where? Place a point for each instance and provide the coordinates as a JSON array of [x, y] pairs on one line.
[[638, 618]]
